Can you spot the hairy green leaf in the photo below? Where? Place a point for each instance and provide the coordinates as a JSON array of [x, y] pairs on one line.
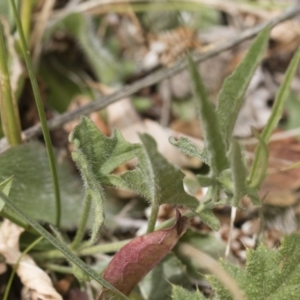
[[214, 142], [96, 155], [179, 293], [32, 188], [154, 178], [270, 274], [205, 181], [187, 147], [231, 96], [208, 217], [239, 172]]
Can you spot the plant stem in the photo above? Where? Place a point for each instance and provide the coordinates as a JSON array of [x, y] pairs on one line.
[[41, 112], [8, 107], [82, 225], [59, 268], [152, 218], [26, 10], [11, 277]]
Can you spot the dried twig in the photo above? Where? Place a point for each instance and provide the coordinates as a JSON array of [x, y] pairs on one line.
[[153, 78]]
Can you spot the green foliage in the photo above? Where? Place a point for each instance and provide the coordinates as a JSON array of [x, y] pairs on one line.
[[32, 189], [179, 293], [276, 114], [97, 155], [269, 274], [154, 178], [231, 97]]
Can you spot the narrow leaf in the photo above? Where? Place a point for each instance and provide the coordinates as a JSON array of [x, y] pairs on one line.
[[185, 146], [231, 96], [259, 167], [208, 217], [276, 114], [239, 173], [139, 256], [214, 142]]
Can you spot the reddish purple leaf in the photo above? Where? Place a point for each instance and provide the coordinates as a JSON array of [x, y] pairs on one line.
[[139, 256]]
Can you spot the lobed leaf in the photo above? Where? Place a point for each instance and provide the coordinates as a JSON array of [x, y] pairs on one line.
[[96, 155], [139, 256], [154, 178], [269, 274], [231, 96], [214, 143]]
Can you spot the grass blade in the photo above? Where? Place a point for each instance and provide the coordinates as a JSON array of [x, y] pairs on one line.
[[215, 144]]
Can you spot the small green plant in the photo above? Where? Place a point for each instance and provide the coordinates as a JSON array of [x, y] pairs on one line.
[[269, 274]]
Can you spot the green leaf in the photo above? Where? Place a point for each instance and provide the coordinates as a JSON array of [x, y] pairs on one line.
[[269, 274], [185, 146], [276, 114], [5, 188], [154, 178], [214, 142], [96, 155], [179, 293], [208, 217], [239, 173], [281, 96], [205, 181], [259, 167], [32, 188], [231, 96]]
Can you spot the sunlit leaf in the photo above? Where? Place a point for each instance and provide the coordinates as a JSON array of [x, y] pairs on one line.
[[208, 217]]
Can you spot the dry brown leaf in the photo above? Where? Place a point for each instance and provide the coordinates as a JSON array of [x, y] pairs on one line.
[[37, 284]]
